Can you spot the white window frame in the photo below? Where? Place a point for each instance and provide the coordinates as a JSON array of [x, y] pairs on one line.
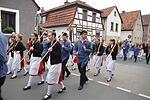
[[43, 19], [17, 18]]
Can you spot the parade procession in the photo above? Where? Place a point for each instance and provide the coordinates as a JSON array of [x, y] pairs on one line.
[[89, 53]]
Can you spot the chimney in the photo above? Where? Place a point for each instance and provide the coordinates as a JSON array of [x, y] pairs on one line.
[[123, 12], [42, 9], [66, 2]]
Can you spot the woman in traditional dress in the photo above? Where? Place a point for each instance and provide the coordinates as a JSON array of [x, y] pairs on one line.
[[54, 75], [18, 51], [10, 53], [36, 65], [98, 58], [111, 52]]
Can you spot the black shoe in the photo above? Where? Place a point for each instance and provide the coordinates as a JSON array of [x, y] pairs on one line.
[[73, 68], [68, 75], [26, 88], [96, 74], [9, 73], [99, 71], [72, 64], [61, 90], [87, 70], [13, 77], [80, 88], [40, 83], [26, 74], [108, 80], [112, 75], [46, 97], [19, 70]]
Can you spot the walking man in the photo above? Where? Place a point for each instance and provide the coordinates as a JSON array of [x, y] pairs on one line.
[[82, 49]]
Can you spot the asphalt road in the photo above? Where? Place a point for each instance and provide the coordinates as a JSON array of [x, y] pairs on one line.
[[12, 90], [130, 81]]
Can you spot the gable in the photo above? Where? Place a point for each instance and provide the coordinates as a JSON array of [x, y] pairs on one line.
[[129, 20], [107, 11], [146, 19], [59, 18]]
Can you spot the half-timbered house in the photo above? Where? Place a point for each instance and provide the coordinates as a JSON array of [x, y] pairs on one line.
[[73, 17]]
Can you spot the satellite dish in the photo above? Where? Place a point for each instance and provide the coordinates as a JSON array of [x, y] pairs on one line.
[[129, 36]]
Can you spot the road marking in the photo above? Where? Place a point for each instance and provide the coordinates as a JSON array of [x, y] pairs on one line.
[[90, 79], [142, 95], [103, 83], [126, 90], [75, 74]]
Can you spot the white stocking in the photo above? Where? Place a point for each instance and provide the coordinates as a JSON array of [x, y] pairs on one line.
[[49, 90], [30, 80], [42, 78]]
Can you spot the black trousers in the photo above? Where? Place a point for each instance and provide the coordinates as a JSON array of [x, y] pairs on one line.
[[2, 80], [83, 77], [147, 57], [135, 58], [64, 68], [125, 55]]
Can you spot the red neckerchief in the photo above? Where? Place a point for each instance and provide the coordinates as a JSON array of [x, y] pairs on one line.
[[83, 43]]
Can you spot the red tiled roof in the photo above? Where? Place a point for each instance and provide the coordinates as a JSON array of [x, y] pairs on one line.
[[77, 2], [63, 15], [146, 19], [107, 11], [129, 19]]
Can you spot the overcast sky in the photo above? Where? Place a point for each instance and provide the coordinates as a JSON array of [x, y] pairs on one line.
[[127, 5]]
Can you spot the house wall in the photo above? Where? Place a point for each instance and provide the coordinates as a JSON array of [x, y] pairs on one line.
[[146, 33], [27, 14], [125, 34], [59, 30], [138, 30], [107, 26], [93, 27]]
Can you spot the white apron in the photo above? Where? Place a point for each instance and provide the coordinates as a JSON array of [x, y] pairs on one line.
[[120, 54], [97, 61], [53, 74], [10, 61], [16, 61], [141, 53], [34, 65], [110, 64], [131, 53]]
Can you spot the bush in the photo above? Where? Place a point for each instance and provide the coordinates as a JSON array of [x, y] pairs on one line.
[[8, 30]]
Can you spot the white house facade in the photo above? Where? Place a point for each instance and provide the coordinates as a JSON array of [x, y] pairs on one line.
[[112, 23]]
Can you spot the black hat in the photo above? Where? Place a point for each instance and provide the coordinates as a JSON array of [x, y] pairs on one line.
[[83, 32], [35, 34], [53, 30], [113, 40], [64, 34]]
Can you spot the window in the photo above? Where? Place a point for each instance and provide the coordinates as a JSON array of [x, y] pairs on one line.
[[43, 19], [94, 17], [112, 26], [84, 16], [116, 27], [115, 13], [135, 39], [8, 19]]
